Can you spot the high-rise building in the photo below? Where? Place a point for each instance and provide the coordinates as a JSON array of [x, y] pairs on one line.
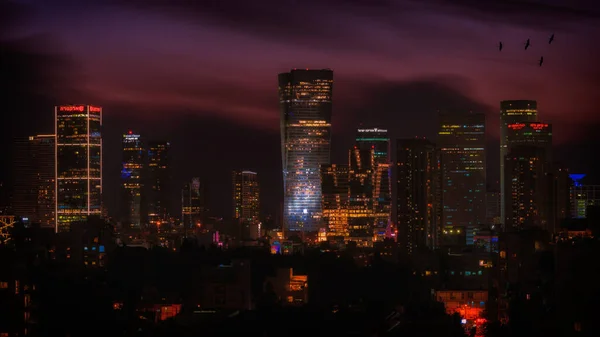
[[334, 190], [461, 141], [527, 197], [417, 184], [512, 112], [361, 215], [522, 139], [158, 183], [131, 178], [530, 134], [78, 164], [582, 196], [33, 196], [492, 211], [192, 204], [378, 140], [246, 203], [305, 98]]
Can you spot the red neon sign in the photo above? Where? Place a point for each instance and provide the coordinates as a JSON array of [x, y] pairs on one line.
[[71, 108], [517, 126], [538, 126], [95, 109]]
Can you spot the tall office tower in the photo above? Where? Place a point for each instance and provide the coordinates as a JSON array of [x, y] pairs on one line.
[[417, 204], [305, 98], [78, 168], [560, 192], [511, 112], [492, 211], [378, 140], [131, 177], [192, 204], [539, 136], [530, 134], [527, 188], [361, 220], [461, 140], [246, 203], [158, 183], [33, 196], [334, 190], [582, 196]]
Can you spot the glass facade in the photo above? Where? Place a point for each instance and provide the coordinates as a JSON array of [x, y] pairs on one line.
[[377, 140], [192, 204], [246, 198], [131, 177], [461, 141], [305, 98], [417, 204], [334, 188], [78, 163], [512, 112], [34, 188], [157, 193]]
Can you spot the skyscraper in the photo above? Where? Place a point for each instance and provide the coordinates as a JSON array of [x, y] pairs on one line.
[[361, 215], [192, 204], [378, 140], [305, 98], [417, 204], [334, 190], [246, 203], [511, 112], [529, 177], [461, 141], [78, 164], [527, 197], [34, 190], [158, 183], [131, 177]]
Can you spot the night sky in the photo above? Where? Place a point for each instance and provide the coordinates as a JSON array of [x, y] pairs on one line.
[[203, 74]]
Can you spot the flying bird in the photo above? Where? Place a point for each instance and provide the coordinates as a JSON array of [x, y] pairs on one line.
[[551, 38], [541, 60], [500, 46], [527, 44]]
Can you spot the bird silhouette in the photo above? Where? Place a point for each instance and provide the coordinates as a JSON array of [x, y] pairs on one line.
[[527, 44], [500, 46], [541, 60], [551, 38]]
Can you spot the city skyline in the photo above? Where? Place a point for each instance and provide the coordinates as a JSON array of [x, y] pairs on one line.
[[402, 97]]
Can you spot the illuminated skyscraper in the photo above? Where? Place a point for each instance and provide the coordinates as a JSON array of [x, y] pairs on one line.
[[530, 134], [361, 215], [192, 204], [532, 185], [417, 185], [582, 196], [527, 196], [131, 177], [246, 203], [378, 140], [158, 183], [334, 190], [512, 112], [78, 164], [34, 189], [461, 141], [305, 99]]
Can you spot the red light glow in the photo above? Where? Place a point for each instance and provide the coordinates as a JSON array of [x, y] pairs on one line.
[[71, 108], [95, 109], [517, 126], [538, 126]]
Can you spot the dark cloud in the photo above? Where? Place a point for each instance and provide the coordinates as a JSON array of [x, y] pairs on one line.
[[407, 108], [546, 14], [32, 80]]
